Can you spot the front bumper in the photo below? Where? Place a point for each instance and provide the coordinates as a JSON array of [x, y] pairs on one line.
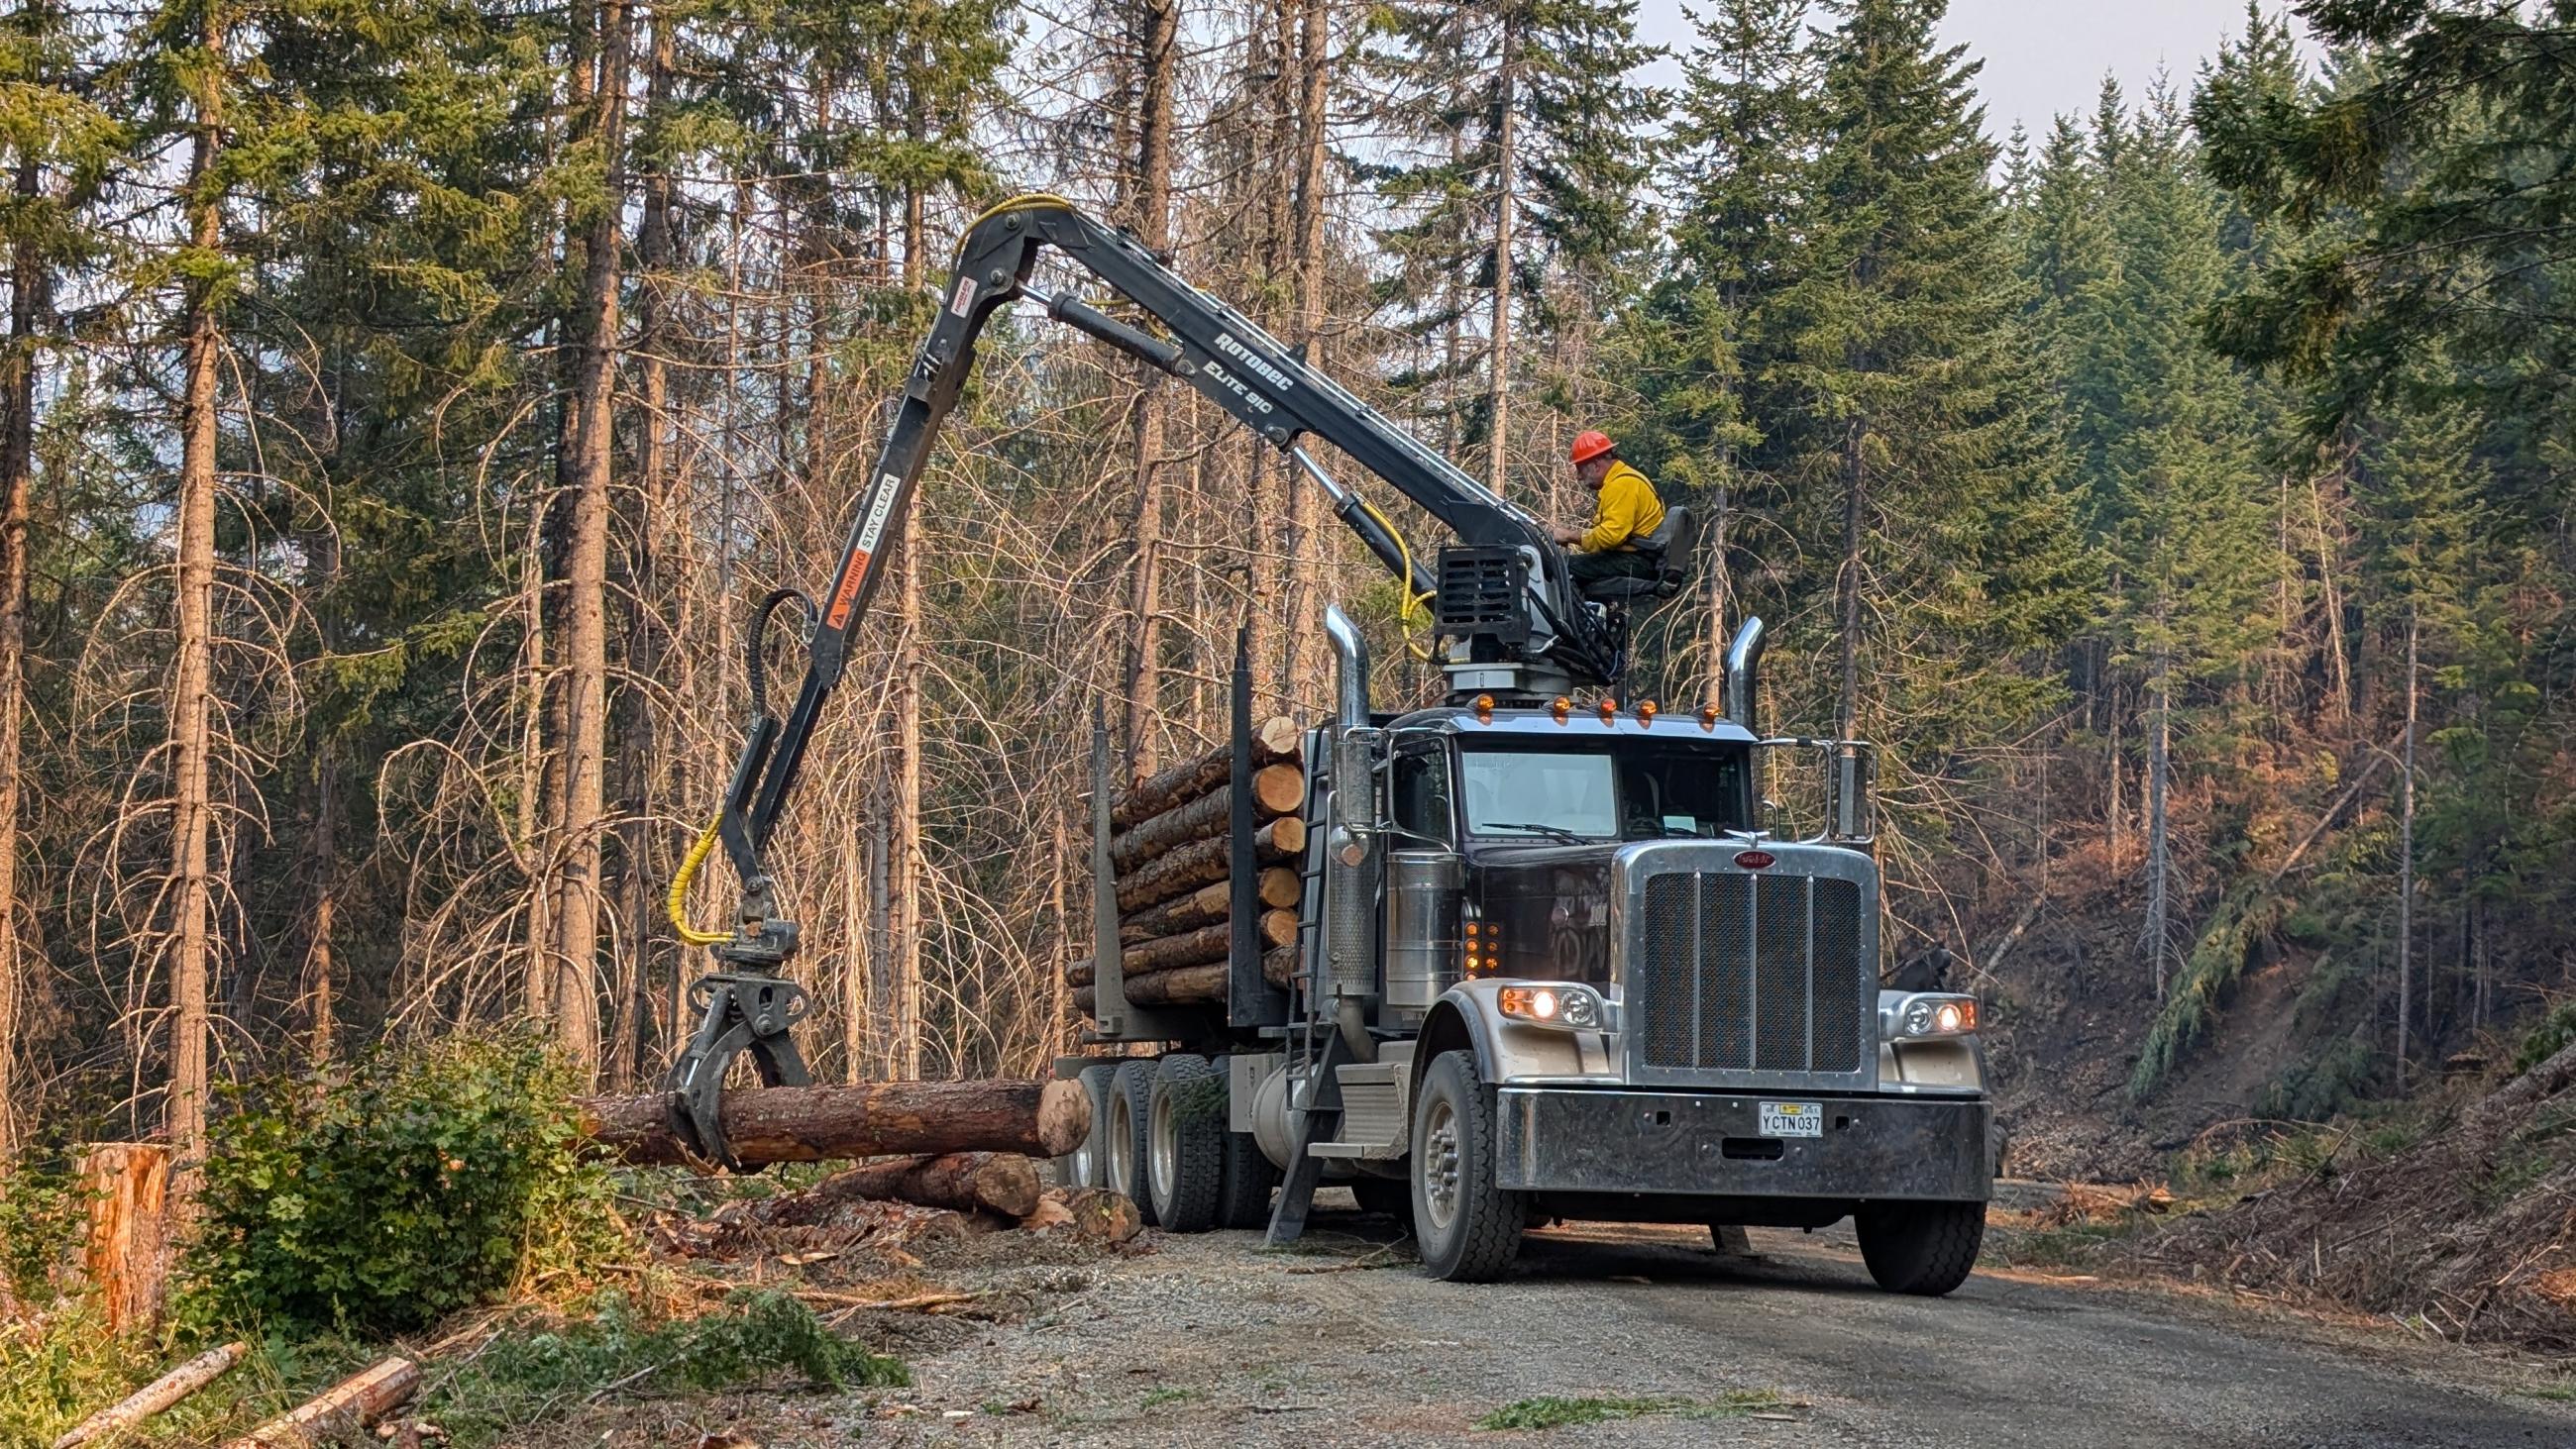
[[1572, 1139]]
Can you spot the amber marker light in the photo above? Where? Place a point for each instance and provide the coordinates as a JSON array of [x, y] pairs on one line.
[[1561, 708], [1609, 710], [1646, 712], [1708, 717], [1484, 709]]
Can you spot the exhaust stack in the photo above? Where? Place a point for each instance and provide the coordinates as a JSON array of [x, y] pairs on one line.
[[1744, 675], [1350, 889]]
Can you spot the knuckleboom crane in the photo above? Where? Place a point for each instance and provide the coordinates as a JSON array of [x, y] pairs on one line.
[[1513, 623]]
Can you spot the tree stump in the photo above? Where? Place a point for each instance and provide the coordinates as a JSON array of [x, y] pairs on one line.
[[127, 1185]]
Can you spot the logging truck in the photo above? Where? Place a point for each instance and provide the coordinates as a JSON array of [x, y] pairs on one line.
[[1537, 953]]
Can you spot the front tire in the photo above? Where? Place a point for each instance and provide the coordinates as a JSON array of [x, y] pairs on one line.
[[1469, 1229], [1923, 1248], [1131, 1103], [1185, 1143]]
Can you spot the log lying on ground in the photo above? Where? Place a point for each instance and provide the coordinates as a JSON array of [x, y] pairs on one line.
[[1003, 1182], [347, 1406], [879, 1119], [1273, 740], [154, 1397], [1276, 790], [1202, 862]]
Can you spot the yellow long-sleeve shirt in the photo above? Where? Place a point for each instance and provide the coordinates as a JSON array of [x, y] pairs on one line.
[[1627, 511]]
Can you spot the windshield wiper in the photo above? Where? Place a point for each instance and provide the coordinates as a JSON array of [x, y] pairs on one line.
[[1552, 832]]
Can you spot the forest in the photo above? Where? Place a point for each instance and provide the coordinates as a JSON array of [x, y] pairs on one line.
[[405, 403]]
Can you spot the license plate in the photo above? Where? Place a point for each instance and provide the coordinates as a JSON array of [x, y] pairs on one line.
[[1793, 1119]]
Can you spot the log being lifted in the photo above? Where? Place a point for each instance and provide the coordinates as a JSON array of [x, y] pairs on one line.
[[1273, 740], [1276, 790], [347, 1406], [876, 1119], [1202, 862], [152, 1398]]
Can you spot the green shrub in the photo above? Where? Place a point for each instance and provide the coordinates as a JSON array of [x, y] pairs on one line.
[[416, 1181], [2315, 1088], [524, 1377], [2547, 1037], [40, 1224]]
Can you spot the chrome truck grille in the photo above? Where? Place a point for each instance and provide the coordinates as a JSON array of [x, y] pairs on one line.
[[1751, 977]]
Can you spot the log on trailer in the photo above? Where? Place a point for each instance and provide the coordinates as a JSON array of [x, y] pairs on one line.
[[1277, 888], [1273, 740], [878, 1119], [1194, 948], [1276, 790], [1202, 862]]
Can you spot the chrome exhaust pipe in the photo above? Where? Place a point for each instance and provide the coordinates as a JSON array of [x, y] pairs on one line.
[[1350, 896], [1744, 675]]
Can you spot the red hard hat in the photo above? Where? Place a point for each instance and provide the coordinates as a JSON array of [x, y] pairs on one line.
[[1589, 445]]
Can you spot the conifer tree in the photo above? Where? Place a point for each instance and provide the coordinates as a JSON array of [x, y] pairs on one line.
[[1526, 153], [1928, 478]]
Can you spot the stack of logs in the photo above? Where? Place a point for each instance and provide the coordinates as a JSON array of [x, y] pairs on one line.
[[1172, 857]]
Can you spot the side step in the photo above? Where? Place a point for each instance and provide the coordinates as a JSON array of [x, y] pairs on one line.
[[1376, 1118]]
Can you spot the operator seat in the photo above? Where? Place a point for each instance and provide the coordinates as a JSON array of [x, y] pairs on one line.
[[1674, 545]]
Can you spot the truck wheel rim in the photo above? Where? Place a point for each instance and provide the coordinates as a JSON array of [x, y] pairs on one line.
[[1159, 1145], [1440, 1164], [1114, 1152]]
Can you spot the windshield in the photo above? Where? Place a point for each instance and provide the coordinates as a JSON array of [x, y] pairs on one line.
[[1630, 791], [1540, 795]]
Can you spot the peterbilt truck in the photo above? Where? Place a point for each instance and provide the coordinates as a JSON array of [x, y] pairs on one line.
[[1555, 959]]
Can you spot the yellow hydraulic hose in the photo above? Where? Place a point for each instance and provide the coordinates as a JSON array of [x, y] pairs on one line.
[[678, 904], [1408, 608]]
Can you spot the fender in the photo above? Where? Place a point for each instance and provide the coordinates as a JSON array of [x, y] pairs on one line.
[[1469, 1016]]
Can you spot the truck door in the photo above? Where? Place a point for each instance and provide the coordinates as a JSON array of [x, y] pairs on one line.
[[1424, 876]]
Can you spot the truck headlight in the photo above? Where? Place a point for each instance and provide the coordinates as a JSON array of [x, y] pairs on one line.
[[1572, 1007], [1915, 1015]]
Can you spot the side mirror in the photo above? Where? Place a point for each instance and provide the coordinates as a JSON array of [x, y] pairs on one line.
[[1854, 817]]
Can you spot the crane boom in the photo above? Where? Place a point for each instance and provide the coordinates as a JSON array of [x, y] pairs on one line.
[[1503, 595]]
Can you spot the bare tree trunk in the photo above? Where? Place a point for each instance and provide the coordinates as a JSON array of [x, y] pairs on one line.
[[903, 921], [639, 747], [1847, 584], [17, 470], [1307, 552], [2338, 660], [2158, 935], [2116, 809], [321, 973], [192, 724], [1149, 213], [579, 811], [2406, 841], [1499, 361]]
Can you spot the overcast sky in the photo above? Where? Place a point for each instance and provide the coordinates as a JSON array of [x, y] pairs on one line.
[[2045, 56]]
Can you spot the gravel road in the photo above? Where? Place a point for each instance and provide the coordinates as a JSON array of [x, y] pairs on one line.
[[1207, 1340]]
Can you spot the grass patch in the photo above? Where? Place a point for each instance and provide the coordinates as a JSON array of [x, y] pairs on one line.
[[1551, 1411], [1159, 1397], [2554, 1393]]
